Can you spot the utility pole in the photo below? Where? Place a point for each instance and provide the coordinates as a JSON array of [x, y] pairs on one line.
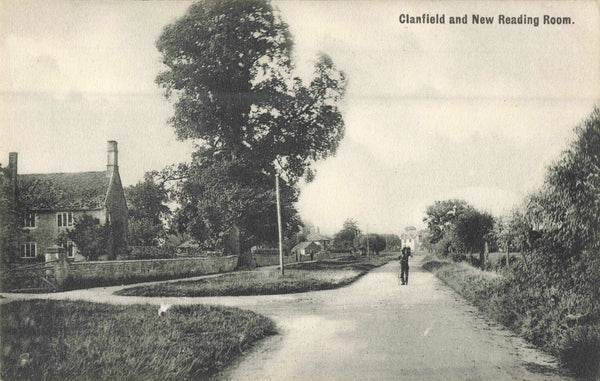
[[279, 223], [368, 249]]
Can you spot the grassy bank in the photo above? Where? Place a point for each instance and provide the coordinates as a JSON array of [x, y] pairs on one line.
[[64, 340], [545, 317], [299, 277]]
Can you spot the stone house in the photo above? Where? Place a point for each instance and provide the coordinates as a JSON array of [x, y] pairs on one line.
[[50, 203]]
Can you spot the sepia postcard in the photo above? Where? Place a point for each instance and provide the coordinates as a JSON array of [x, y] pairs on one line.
[[294, 159]]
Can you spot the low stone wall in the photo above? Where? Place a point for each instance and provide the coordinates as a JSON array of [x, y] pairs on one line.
[[163, 252], [151, 268], [261, 260], [62, 274]]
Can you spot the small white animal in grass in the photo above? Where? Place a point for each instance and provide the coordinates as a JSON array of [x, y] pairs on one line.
[[163, 309]]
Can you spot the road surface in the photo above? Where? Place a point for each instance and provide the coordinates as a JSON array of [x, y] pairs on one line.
[[374, 329]]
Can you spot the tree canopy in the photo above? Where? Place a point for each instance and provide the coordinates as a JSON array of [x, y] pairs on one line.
[[442, 216], [230, 76]]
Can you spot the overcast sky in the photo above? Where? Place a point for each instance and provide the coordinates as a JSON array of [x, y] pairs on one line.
[[432, 111]]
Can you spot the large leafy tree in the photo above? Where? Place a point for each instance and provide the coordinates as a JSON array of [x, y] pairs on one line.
[[230, 77]]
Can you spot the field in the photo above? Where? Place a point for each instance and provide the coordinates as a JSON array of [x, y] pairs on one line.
[[65, 340], [299, 277]]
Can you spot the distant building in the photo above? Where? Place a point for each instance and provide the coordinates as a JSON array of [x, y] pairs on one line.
[[412, 238], [315, 236], [306, 249], [50, 203]]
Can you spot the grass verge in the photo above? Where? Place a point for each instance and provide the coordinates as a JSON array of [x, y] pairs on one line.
[[67, 340], [539, 315], [299, 277]]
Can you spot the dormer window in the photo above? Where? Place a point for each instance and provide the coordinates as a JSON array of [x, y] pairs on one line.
[[29, 220], [64, 219]]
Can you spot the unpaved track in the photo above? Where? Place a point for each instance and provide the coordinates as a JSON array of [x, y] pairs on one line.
[[374, 329]]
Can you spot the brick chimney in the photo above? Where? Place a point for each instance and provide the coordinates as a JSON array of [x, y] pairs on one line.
[[13, 159], [112, 162]]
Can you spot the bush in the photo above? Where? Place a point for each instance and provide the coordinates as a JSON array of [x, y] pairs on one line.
[[581, 350]]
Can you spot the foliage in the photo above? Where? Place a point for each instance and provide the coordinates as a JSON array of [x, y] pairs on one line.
[[442, 216], [229, 73], [374, 242], [392, 242], [301, 277], [148, 211], [568, 207], [68, 340], [347, 237], [91, 238], [473, 230], [458, 228], [218, 195]]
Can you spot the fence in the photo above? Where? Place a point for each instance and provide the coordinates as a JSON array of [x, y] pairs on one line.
[[38, 277]]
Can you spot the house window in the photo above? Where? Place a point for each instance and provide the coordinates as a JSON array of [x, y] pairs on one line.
[[64, 219], [70, 248], [28, 250], [29, 220]]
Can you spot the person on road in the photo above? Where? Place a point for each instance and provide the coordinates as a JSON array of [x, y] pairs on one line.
[[404, 264]]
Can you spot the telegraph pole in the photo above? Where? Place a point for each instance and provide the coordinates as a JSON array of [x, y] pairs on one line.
[[368, 248], [279, 223]]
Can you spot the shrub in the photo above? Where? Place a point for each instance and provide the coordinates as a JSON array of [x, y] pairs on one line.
[[580, 350]]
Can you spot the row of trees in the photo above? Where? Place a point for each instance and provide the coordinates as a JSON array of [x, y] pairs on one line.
[[457, 228], [350, 237]]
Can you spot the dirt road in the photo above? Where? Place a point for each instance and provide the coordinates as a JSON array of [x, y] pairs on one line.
[[374, 329]]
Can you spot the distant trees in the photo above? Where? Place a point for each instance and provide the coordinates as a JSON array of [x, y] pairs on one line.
[[392, 242], [441, 217], [346, 238], [457, 227], [374, 242]]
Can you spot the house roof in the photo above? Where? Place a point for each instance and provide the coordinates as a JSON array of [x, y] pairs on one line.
[[317, 237], [303, 245], [53, 191]]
